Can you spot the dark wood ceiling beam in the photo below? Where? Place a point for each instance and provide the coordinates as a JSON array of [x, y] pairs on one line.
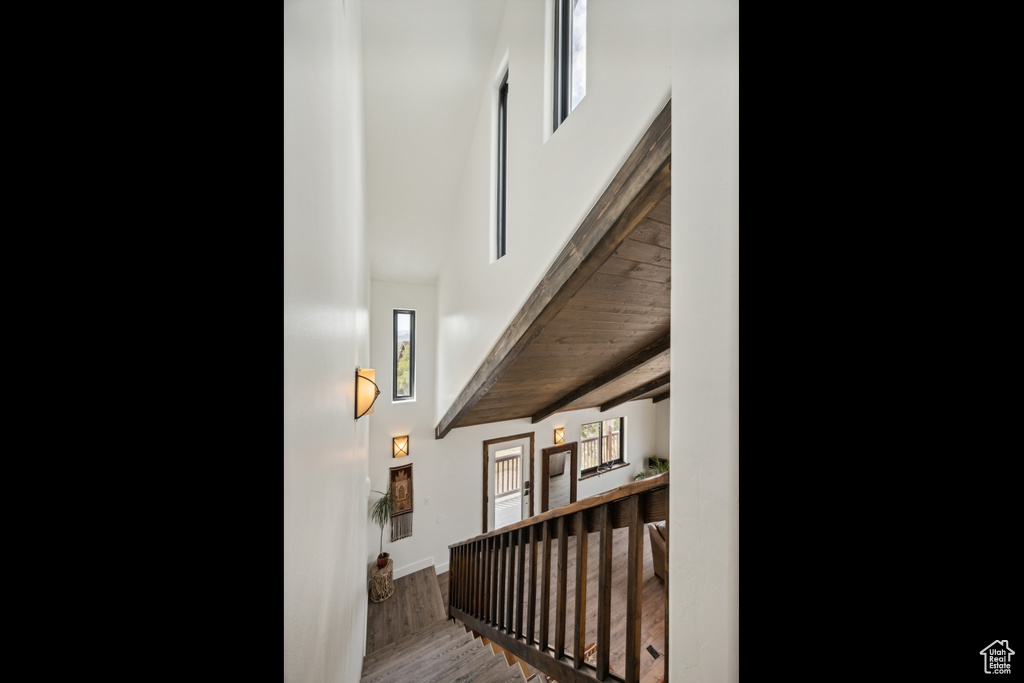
[[643, 181], [661, 397], [656, 348], [639, 391]]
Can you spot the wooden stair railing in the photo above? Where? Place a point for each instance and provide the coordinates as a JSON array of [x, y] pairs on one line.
[[489, 582]]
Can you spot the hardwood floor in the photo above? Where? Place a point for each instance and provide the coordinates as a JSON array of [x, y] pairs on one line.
[[414, 606]]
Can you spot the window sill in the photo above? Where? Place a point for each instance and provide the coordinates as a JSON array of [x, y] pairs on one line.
[[611, 468]]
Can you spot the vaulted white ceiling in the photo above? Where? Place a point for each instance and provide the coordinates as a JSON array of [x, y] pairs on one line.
[[424, 64]]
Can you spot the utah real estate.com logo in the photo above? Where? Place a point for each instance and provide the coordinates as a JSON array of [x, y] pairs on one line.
[[997, 657]]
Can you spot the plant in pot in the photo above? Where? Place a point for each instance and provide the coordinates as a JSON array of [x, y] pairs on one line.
[[381, 514], [656, 465]]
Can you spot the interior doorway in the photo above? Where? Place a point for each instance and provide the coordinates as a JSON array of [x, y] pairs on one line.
[[559, 470], [507, 480]]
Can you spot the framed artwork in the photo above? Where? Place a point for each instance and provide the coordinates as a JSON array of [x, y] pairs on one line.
[[401, 493], [401, 489]]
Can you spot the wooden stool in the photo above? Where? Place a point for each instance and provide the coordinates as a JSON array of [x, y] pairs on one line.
[[381, 584]]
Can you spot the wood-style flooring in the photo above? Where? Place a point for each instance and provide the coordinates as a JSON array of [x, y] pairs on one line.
[[414, 605]]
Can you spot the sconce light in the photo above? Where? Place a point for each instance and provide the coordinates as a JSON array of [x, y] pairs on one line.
[[367, 391], [401, 446], [560, 435]]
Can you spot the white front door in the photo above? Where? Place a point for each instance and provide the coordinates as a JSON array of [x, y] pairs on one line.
[[507, 465]]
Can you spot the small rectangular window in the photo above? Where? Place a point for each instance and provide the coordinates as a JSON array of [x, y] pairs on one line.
[[404, 382], [570, 56], [602, 444], [502, 162]]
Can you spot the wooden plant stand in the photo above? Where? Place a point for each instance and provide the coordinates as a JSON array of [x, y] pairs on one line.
[[381, 584]]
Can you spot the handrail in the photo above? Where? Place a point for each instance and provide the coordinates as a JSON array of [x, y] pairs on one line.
[[489, 581]]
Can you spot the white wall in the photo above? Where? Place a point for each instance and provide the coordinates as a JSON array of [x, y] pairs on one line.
[[448, 473], [663, 419], [326, 335], [553, 179], [704, 499]]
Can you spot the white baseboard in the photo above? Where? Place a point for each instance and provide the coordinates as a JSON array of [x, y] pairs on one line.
[[399, 572], [416, 566]]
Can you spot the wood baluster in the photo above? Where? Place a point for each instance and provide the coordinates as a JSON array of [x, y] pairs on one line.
[[634, 587], [495, 591], [492, 569], [604, 591], [545, 598], [483, 580], [563, 578], [520, 591], [479, 571], [453, 581], [530, 628], [581, 590], [500, 621], [510, 588], [464, 577]]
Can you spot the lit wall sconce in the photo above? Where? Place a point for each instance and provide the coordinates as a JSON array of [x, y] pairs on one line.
[[560, 435], [401, 446], [367, 391]]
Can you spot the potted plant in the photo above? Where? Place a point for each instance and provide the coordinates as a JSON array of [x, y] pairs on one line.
[[656, 465], [381, 514]]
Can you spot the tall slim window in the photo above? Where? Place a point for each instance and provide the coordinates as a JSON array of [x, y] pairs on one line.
[[602, 444], [502, 161], [404, 383], [570, 56]]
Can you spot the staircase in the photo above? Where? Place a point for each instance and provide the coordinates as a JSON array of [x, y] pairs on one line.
[[440, 652], [500, 586]]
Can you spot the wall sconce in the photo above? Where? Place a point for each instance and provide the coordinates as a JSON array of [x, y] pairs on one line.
[[560, 435], [401, 446], [367, 391]]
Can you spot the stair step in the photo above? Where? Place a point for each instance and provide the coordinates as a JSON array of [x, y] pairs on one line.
[[434, 653], [421, 640], [502, 673], [473, 668]]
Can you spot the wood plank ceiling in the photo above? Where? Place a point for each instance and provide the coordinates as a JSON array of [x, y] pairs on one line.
[[595, 331]]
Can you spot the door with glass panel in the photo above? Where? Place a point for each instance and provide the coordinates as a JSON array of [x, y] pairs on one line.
[[507, 481]]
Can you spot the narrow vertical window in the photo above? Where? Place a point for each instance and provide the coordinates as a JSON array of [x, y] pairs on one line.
[[570, 56], [502, 161], [404, 383]]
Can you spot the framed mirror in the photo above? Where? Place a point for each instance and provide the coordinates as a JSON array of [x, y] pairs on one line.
[[558, 476]]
